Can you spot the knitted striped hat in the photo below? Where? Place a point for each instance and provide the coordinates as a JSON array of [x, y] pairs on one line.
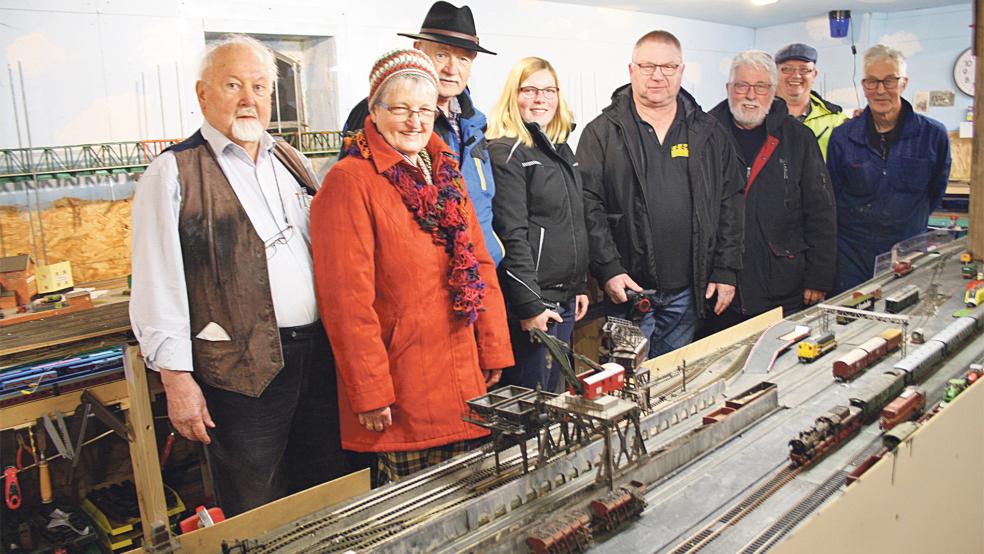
[[402, 61]]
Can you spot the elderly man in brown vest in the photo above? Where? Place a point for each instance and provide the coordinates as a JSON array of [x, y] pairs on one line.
[[223, 299]]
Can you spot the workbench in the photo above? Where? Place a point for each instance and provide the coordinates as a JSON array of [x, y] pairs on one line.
[[106, 324]]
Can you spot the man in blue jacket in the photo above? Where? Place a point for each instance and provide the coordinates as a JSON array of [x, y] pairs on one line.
[[889, 168], [448, 37]]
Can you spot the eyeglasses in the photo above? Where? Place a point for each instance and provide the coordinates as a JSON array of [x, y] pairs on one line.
[[742, 87], [890, 83], [667, 69], [530, 93], [801, 71], [404, 113], [281, 238]]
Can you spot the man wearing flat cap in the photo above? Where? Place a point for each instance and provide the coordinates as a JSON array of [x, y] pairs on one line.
[[448, 37], [797, 65]]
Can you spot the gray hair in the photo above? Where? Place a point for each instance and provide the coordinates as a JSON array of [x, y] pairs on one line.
[[880, 52], [759, 59], [230, 41], [390, 83]]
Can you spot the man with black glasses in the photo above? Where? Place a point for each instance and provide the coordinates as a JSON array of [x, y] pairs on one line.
[[790, 234], [889, 169], [662, 198], [797, 65]]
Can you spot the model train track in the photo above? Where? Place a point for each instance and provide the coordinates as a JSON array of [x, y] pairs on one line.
[[737, 512], [794, 517], [673, 379], [391, 520], [788, 521]]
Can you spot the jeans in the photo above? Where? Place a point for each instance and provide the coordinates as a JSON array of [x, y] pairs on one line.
[[669, 325], [534, 366], [284, 441]]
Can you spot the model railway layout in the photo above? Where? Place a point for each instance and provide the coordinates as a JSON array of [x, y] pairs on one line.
[[628, 461]]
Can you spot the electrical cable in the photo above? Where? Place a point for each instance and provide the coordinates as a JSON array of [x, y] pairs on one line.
[[854, 68]]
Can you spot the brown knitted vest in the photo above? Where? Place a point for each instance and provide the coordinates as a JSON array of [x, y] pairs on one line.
[[226, 273]]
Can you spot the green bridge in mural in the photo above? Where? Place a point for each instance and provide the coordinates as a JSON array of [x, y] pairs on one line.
[[109, 158]]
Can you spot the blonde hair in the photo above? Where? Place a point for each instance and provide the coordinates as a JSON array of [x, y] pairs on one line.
[[506, 120]]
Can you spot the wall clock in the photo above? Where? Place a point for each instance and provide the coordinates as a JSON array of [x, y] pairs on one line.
[[963, 72]]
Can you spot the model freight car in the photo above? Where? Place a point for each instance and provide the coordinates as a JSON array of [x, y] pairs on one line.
[[866, 354], [574, 531], [610, 378], [901, 269], [974, 372], [810, 349], [908, 405], [859, 301], [566, 533], [914, 368], [618, 506], [877, 392], [901, 299]]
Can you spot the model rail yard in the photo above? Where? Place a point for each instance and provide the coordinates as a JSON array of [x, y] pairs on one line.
[[655, 469]]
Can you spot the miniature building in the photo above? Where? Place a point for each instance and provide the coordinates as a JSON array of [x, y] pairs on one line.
[[55, 278], [17, 275]]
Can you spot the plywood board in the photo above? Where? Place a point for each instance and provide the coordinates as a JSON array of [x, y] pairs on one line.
[[92, 234], [926, 497], [255, 522], [725, 339], [960, 157]]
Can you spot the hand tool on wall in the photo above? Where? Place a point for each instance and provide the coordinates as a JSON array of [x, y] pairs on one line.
[[11, 489], [21, 449], [44, 475], [60, 437], [92, 406]]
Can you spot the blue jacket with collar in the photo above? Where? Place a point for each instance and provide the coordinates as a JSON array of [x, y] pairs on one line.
[[473, 152], [881, 201]]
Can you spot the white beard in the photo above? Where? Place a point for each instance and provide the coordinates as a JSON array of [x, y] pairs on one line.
[[247, 130], [750, 121]]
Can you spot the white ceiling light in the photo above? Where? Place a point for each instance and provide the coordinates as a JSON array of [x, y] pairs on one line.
[[763, 2]]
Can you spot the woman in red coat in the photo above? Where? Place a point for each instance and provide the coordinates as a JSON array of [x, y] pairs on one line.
[[407, 291]]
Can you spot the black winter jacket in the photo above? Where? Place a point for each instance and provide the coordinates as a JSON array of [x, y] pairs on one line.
[[616, 199], [790, 218], [539, 215]]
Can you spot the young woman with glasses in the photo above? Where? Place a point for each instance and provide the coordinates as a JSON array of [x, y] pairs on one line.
[[538, 214]]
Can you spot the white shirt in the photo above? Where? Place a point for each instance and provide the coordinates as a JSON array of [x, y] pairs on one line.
[[159, 297]]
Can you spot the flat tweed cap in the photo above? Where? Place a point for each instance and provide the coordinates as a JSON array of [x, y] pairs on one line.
[[796, 51], [402, 61]]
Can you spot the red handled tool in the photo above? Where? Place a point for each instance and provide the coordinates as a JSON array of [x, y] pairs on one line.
[[11, 489]]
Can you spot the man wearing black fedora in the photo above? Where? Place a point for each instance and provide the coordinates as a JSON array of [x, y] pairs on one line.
[[448, 37]]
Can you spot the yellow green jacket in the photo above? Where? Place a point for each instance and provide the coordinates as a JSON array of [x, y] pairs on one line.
[[822, 119]]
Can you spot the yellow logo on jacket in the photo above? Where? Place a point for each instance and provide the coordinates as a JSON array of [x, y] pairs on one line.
[[680, 151]]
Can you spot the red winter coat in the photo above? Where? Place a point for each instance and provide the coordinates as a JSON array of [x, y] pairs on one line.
[[385, 302]]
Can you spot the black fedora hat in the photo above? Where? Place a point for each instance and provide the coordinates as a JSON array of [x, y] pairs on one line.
[[449, 25]]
